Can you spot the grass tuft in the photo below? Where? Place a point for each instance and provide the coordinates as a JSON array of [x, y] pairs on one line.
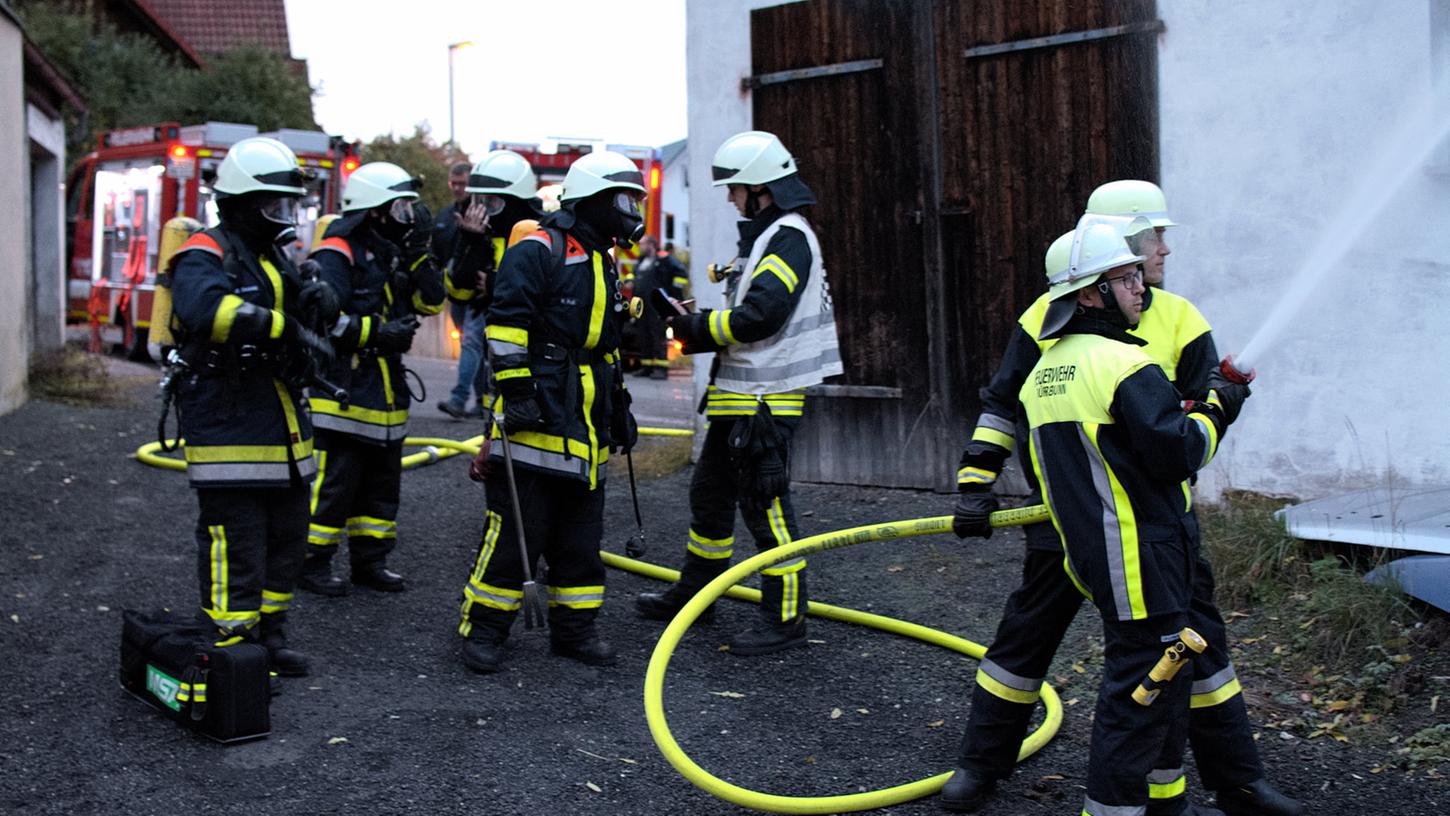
[[74, 377]]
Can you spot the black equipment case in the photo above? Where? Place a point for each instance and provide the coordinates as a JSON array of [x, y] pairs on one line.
[[172, 664]]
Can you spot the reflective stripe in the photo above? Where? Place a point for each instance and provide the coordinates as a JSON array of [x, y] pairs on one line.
[[321, 457], [274, 603], [993, 422], [586, 376], [1120, 530], [366, 422], [576, 464], [994, 437], [370, 527], [503, 348], [790, 596], [585, 597], [751, 374], [596, 309], [217, 562], [1166, 784], [720, 403], [785, 567], [277, 324], [508, 334], [492, 525], [494, 597], [720, 327], [681, 282], [425, 307], [776, 516], [275, 278], [454, 292], [232, 621], [322, 535], [1003, 684], [1217, 689], [1210, 434], [226, 312], [510, 373], [1094, 808], [711, 547], [207, 454], [365, 330], [975, 475], [250, 472], [775, 265], [301, 448]]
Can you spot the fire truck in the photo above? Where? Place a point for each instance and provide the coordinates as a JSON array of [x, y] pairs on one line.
[[119, 197], [550, 167]]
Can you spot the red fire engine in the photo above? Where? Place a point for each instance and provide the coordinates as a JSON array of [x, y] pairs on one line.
[[138, 178], [551, 168]]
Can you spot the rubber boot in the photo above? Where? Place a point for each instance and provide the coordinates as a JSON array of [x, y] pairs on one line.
[[285, 661], [1259, 798], [318, 579], [376, 575], [774, 634], [663, 606], [591, 651], [966, 791], [483, 651]]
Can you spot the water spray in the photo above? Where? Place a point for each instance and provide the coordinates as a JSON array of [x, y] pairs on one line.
[[1408, 150]]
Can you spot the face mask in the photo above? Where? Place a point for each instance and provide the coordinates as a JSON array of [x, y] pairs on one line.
[[492, 204], [401, 210], [630, 221]]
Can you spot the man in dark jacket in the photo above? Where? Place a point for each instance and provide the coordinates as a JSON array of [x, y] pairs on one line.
[[655, 270], [553, 340]]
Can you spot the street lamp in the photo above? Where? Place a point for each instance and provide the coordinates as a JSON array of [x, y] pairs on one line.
[[451, 48]]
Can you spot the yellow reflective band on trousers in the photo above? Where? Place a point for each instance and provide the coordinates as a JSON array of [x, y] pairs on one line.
[[1217, 689], [217, 565], [274, 603], [582, 597], [321, 457], [596, 309], [790, 596], [323, 535], [1120, 530], [1166, 784], [476, 590], [371, 527], [586, 377], [713, 548], [226, 312], [1003, 684], [1094, 808]]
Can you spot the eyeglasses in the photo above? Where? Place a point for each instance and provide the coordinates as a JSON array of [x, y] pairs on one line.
[[1129, 280]]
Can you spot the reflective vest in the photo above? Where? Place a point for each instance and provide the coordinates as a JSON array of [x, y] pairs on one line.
[[1169, 323], [244, 426], [801, 354]]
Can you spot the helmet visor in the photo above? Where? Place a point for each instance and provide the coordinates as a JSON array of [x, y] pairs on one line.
[[492, 204], [401, 210], [628, 201], [280, 210]]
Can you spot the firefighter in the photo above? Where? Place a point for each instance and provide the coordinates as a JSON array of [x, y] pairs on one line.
[[656, 270], [238, 308], [1038, 613], [553, 341], [500, 193], [377, 258], [1114, 449], [776, 337]]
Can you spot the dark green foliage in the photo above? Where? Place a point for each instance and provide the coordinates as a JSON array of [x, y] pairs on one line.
[[419, 155]]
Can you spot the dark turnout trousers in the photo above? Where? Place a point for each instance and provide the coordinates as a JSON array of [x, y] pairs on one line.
[[249, 551]]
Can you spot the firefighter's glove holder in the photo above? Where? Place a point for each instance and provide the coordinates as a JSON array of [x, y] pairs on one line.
[[972, 517], [623, 429], [520, 406], [760, 458], [396, 336]]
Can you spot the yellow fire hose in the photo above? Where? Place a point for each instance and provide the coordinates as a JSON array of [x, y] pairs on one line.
[[725, 585], [434, 449]]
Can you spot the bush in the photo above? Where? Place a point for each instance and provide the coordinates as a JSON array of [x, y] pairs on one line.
[[74, 377]]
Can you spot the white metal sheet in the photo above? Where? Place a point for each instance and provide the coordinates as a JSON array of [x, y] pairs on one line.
[[1410, 518]]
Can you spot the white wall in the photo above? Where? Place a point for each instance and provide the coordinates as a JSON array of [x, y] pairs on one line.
[[47, 228], [717, 58], [1271, 113], [675, 200], [14, 230]]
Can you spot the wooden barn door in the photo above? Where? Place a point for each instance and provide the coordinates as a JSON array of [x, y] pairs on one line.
[[948, 142]]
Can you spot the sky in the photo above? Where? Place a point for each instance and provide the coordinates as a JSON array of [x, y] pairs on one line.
[[601, 69]]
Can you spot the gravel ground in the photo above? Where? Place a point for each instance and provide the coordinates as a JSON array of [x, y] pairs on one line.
[[391, 722]]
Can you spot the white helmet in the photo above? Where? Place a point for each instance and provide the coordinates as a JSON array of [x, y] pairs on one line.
[[1097, 246], [1131, 197], [598, 171], [503, 172], [752, 157], [375, 184], [1059, 255], [260, 164]]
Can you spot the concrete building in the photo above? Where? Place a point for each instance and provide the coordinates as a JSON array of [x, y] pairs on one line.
[[675, 195], [33, 95], [1275, 123]]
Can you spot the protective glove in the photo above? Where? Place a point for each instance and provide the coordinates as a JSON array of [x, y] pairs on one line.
[[772, 477], [973, 514], [479, 468], [1231, 395], [396, 336], [623, 429], [693, 332], [318, 302], [522, 415], [300, 338], [419, 240]]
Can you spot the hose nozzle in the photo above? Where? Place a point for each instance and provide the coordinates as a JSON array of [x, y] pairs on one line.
[[1233, 374]]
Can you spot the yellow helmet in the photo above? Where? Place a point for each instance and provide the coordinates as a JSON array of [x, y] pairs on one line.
[[1131, 197]]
